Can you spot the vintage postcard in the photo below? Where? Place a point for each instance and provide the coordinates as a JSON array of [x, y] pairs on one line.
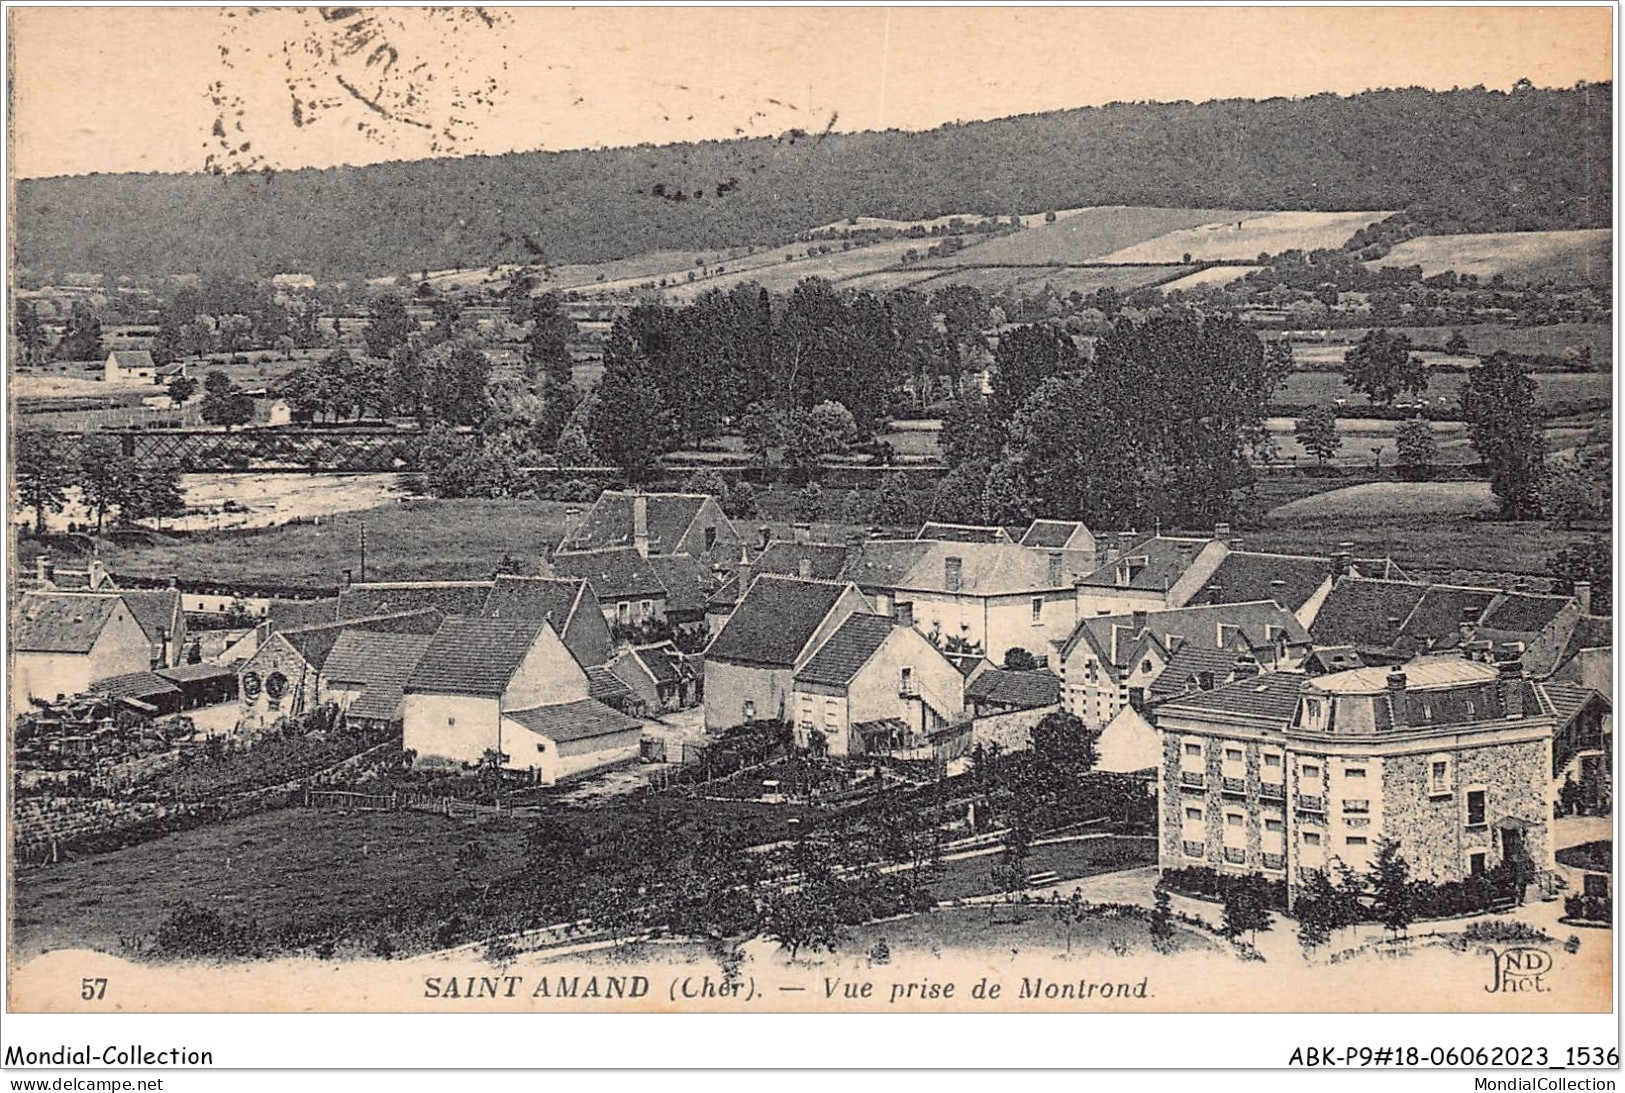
[[963, 510]]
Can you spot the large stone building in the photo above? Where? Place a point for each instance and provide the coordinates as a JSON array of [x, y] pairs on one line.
[[1283, 774]]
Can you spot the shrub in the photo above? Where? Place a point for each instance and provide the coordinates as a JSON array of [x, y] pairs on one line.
[[1584, 908]]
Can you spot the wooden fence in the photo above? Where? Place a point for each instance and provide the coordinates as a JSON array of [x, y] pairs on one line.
[[395, 802]]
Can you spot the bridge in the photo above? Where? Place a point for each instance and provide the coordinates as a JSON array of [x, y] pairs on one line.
[[286, 450]]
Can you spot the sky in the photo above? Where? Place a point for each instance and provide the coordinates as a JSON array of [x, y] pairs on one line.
[[110, 89]]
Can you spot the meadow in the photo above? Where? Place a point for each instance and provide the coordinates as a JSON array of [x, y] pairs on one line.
[[1324, 388], [1582, 257], [1244, 236], [1088, 235]]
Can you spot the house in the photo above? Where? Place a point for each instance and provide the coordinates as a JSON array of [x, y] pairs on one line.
[[654, 523], [1071, 538], [603, 686], [1153, 574], [659, 676], [271, 412], [629, 589], [1367, 616], [876, 687], [125, 365], [1582, 745], [368, 599], [1287, 775], [1588, 657], [972, 597], [50, 577], [569, 606], [805, 559], [365, 674], [780, 622], [1109, 662], [1129, 744], [283, 676], [962, 533], [158, 611], [62, 642], [990, 690], [687, 581], [510, 688], [1299, 583]]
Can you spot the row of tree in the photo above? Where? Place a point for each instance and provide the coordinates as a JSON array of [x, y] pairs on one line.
[[46, 465]]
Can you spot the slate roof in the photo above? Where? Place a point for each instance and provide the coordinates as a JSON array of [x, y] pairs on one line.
[[571, 721], [61, 622], [1016, 690], [1357, 612], [1271, 698], [827, 560], [685, 580], [191, 673], [155, 609], [393, 597], [471, 656], [1054, 534], [132, 358], [1184, 670], [314, 643], [1165, 559], [608, 523], [1245, 576], [292, 614], [985, 569], [726, 595], [774, 621], [884, 563], [1179, 626], [1436, 619], [662, 660], [617, 573], [1590, 632], [1334, 658], [533, 598], [962, 533], [847, 650], [367, 658], [143, 685], [1563, 699], [1425, 673], [604, 686], [1524, 612]]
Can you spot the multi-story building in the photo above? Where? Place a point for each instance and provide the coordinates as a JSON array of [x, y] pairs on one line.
[[1284, 774]]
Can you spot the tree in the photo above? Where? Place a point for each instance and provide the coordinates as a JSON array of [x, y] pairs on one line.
[[896, 503], [1162, 920], [1316, 910], [1591, 561], [802, 916], [547, 359], [180, 389], [82, 339], [629, 425], [1381, 366], [30, 334], [1418, 450], [1457, 344], [1570, 491], [1246, 907], [154, 494], [216, 382], [389, 325], [1395, 898], [225, 403], [970, 433], [1025, 358], [106, 477], [826, 429], [459, 373], [1018, 659], [1317, 432], [762, 430], [1499, 405], [1063, 741], [42, 470]]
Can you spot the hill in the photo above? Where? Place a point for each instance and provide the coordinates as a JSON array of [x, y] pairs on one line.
[[1584, 257], [1456, 161]]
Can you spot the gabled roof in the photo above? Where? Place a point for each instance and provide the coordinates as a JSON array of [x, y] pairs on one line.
[[1437, 617], [726, 595], [1590, 632], [292, 614], [609, 522], [1017, 690], [363, 657], [1187, 668], [847, 650], [571, 721], [1524, 612], [1333, 658], [985, 569], [144, 685], [552, 598], [314, 643], [1364, 613], [1563, 700], [1152, 564], [471, 656], [1245, 576], [1381, 569], [827, 561], [131, 358], [616, 573], [962, 533], [662, 661], [156, 609], [1270, 699], [1211, 625], [1055, 534], [61, 622], [684, 579], [774, 621], [394, 597], [884, 563], [604, 686]]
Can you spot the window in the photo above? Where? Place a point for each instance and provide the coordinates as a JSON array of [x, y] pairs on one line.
[[1232, 755], [1475, 864], [1038, 609], [1193, 750], [623, 612], [832, 712], [1439, 776], [1311, 838], [906, 683], [749, 710], [1357, 806], [645, 610], [1233, 819], [1355, 840], [1274, 825], [541, 747], [1145, 666], [1194, 815], [451, 722], [1272, 761], [1311, 771], [1354, 772], [1476, 808]]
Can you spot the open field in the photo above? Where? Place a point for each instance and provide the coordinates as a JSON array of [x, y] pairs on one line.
[[781, 269], [1571, 257], [1553, 340], [1379, 499], [1088, 235], [1212, 275], [891, 280], [1422, 544], [445, 540], [1243, 237], [1361, 435], [1309, 388], [964, 877], [1028, 280], [275, 867]]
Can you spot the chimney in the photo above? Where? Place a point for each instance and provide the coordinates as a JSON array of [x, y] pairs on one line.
[[1125, 540], [640, 522], [174, 580], [572, 524], [1139, 622], [745, 576], [1204, 680], [1055, 576], [1221, 532], [1510, 680], [1235, 542], [904, 613], [1396, 699], [94, 573], [1342, 562], [1582, 596], [804, 569], [1246, 667], [1215, 592], [1394, 622], [43, 569], [803, 532], [764, 536], [347, 576]]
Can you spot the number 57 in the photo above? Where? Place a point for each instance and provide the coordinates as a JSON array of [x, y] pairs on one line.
[[92, 990]]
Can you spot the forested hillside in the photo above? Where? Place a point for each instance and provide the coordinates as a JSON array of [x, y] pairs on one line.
[[1481, 161]]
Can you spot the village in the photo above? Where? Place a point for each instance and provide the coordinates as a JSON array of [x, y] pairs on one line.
[[1001, 712]]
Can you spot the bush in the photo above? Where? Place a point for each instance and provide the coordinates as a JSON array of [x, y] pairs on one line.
[[1499, 930], [1206, 883], [1583, 908]]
